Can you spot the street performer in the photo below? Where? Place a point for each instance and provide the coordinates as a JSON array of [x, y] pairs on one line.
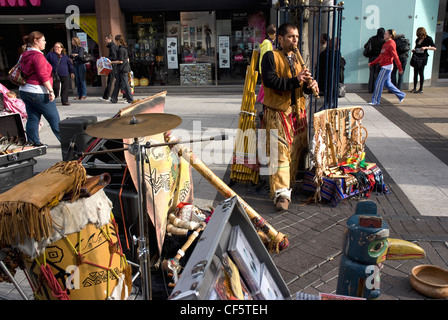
[[285, 82]]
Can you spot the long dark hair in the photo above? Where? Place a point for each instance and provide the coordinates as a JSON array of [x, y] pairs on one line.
[[120, 40]]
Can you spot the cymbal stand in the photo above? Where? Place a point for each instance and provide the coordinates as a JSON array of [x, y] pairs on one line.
[[143, 249], [138, 151]]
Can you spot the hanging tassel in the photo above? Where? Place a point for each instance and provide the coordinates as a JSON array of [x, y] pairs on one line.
[[52, 283]]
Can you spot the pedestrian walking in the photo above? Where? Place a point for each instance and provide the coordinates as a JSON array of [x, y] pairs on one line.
[[62, 71], [79, 65], [123, 69], [420, 55], [38, 93], [285, 83], [372, 50], [113, 54], [385, 60]]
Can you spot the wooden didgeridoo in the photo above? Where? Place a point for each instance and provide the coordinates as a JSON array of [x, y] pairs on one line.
[[278, 241], [304, 67]]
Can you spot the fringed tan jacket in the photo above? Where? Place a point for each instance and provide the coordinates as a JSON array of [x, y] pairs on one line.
[[280, 98]]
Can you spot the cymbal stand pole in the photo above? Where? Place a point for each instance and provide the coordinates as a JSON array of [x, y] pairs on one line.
[[143, 251]]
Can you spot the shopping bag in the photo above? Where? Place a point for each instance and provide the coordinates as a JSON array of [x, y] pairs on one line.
[[15, 74]]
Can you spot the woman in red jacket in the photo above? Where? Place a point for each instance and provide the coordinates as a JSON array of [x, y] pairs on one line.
[[38, 93], [386, 60]]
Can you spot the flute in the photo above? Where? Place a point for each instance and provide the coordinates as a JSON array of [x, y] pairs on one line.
[[304, 67], [278, 241]]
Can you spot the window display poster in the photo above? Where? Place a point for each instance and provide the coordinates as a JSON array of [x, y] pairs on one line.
[[224, 51], [198, 36], [83, 38], [171, 52]]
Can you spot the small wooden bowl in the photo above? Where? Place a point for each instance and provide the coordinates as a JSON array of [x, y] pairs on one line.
[[430, 280]]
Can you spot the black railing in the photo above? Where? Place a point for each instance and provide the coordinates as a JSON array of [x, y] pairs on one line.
[[326, 66]]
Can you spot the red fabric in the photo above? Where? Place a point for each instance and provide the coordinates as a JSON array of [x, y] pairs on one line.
[[388, 55], [36, 69]]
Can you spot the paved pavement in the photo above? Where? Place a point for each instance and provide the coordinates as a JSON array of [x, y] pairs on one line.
[[408, 141]]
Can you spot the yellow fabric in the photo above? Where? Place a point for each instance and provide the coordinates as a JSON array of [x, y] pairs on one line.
[[265, 46], [170, 173]]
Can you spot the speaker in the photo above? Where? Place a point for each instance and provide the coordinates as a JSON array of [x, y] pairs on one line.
[[73, 130], [126, 216]]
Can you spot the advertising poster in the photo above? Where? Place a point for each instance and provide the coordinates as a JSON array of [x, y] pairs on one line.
[[171, 52], [198, 37], [224, 51], [83, 38]]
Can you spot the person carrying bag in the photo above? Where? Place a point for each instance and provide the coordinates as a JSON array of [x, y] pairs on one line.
[[419, 58]]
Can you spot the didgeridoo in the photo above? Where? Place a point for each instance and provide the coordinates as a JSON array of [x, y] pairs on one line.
[[278, 241], [304, 67]]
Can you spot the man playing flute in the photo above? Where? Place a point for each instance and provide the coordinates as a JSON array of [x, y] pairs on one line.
[[285, 83]]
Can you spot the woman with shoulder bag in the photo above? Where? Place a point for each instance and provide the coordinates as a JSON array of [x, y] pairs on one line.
[[122, 80], [79, 65], [419, 58], [62, 69], [38, 93]]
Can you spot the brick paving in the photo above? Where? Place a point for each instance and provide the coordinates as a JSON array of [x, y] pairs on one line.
[[311, 263]]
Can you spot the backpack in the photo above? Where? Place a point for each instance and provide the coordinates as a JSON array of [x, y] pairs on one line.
[[403, 45], [368, 49]]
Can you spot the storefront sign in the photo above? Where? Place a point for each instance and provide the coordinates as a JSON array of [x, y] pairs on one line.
[[19, 3], [141, 19]]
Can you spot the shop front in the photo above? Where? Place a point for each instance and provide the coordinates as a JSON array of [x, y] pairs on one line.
[[193, 48]]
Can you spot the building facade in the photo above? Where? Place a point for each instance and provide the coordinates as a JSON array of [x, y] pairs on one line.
[[362, 18]]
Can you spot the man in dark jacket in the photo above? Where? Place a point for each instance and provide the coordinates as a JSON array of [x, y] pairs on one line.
[[113, 54], [403, 47], [376, 43]]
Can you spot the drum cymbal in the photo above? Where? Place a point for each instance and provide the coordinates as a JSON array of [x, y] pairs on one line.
[[134, 126]]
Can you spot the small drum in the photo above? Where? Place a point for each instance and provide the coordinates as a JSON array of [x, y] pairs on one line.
[[88, 265], [83, 259]]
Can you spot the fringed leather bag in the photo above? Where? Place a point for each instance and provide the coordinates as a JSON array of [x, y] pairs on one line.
[[25, 209]]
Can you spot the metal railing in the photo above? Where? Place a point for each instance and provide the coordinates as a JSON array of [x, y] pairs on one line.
[[326, 65]]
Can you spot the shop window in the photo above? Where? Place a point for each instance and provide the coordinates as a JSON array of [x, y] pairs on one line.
[[198, 48], [242, 32], [147, 48]]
